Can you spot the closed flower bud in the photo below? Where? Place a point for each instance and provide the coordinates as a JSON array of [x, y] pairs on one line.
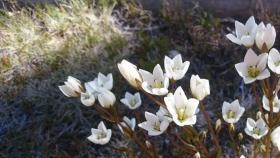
[[106, 99], [259, 115], [197, 155], [218, 125], [130, 73], [200, 87], [240, 136]]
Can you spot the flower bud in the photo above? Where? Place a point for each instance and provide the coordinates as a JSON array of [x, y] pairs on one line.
[[218, 125], [197, 155], [200, 87], [259, 115], [130, 73], [106, 99], [87, 99], [240, 136], [148, 144], [265, 36]]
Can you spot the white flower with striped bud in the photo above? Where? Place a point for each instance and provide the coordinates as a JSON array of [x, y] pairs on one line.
[[245, 34], [72, 87], [200, 88], [256, 129], [106, 99], [155, 83], [265, 36], [101, 135], [175, 68], [273, 61], [253, 68], [182, 109], [130, 72], [232, 112], [132, 101], [154, 124]]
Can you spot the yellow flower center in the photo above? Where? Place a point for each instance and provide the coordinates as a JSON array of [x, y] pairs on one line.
[[158, 84], [231, 114], [182, 114], [132, 102], [101, 135], [157, 126], [253, 71], [256, 131]]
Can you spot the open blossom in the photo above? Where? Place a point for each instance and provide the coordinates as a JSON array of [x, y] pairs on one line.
[[154, 124], [72, 87], [87, 99], [127, 123], [232, 111], [100, 83], [273, 61], [175, 68], [200, 88], [130, 73], [253, 68], [245, 34], [164, 114], [132, 101], [155, 83], [265, 36], [182, 109], [275, 104], [101, 135], [106, 99], [275, 137], [256, 129]]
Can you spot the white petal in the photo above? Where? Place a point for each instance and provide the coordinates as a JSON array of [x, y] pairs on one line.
[[263, 75], [233, 39], [251, 58]]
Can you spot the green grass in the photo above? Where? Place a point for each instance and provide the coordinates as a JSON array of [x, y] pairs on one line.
[[52, 33]]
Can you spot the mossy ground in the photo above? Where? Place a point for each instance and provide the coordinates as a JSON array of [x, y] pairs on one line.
[[40, 47]]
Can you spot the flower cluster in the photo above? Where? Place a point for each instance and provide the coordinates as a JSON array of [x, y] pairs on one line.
[[179, 107], [255, 69]]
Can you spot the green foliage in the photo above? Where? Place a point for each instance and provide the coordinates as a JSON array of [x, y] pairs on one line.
[[53, 34]]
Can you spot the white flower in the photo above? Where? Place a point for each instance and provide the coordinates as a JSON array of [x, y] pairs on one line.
[[242, 156], [129, 72], [127, 123], [265, 36], [273, 61], [200, 87], [275, 104], [156, 83], [275, 137], [182, 109], [132, 101], [175, 68], [256, 129], [99, 84], [245, 34], [154, 125], [253, 68], [232, 111], [106, 99], [101, 135], [72, 87], [87, 99], [163, 113]]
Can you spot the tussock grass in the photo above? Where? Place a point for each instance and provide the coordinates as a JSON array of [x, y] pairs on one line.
[[52, 33]]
